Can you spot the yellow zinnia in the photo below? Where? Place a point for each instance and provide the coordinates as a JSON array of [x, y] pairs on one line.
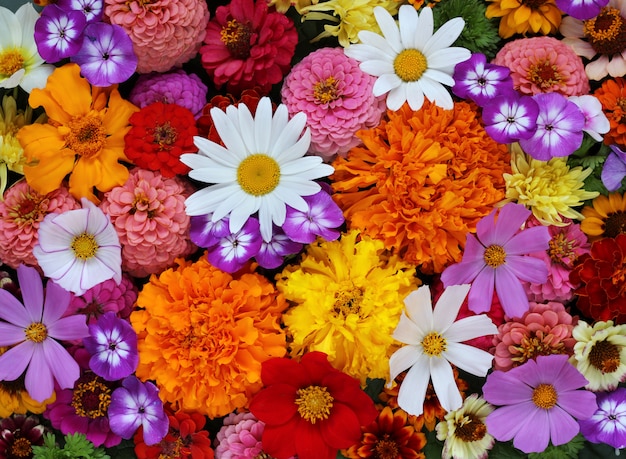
[[84, 136], [348, 297], [525, 16], [606, 217]]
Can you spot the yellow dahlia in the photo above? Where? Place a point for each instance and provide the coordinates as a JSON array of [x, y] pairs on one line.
[[348, 297], [203, 334], [421, 182], [606, 217], [525, 16], [550, 189]]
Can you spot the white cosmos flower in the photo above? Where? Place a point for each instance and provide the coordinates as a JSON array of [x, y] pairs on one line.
[[20, 62], [410, 61], [434, 341], [262, 167]]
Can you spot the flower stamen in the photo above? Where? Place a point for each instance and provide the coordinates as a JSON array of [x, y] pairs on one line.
[[545, 396], [36, 332], [615, 224], [86, 135], [236, 37], [470, 428], [91, 399], [84, 246], [544, 74], [386, 449], [325, 91], [605, 356], [410, 64], [21, 447], [494, 256], [434, 344], [258, 174], [11, 60], [314, 403], [606, 32]]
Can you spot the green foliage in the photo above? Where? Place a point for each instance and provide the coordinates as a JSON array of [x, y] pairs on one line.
[[76, 446], [569, 450]]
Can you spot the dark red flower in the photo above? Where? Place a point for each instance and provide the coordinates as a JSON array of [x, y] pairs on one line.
[[602, 278], [310, 408], [18, 434], [160, 133]]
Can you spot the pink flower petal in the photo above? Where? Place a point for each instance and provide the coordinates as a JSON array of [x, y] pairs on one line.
[[481, 293], [510, 292], [11, 334], [530, 240], [69, 328], [39, 382], [14, 361], [60, 364], [57, 301], [563, 427], [12, 310], [534, 434], [32, 291]]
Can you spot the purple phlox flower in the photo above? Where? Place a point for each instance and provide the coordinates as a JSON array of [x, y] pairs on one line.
[[614, 169], [33, 329], [559, 129], [540, 402], [92, 9], [232, 251], [204, 232], [272, 254], [511, 117], [596, 122], [608, 423], [480, 81], [321, 219], [113, 347], [106, 56], [138, 404], [581, 9], [59, 33], [497, 256]]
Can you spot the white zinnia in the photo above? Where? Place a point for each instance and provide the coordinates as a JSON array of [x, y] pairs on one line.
[[262, 167], [434, 341], [410, 61], [20, 62]]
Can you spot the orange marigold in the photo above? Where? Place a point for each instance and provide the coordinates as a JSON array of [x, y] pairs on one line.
[[421, 182], [612, 96], [203, 334], [525, 16]]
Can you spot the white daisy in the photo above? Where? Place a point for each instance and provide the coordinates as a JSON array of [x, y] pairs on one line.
[[410, 61], [434, 341], [20, 62], [262, 167]]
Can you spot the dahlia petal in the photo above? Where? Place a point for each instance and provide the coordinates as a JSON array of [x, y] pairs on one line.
[[280, 441], [448, 306], [310, 444], [413, 388], [33, 294], [510, 292], [56, 303], [468, 358], [481, 294], [275, 371], [39, 382], [445, 384], [405, 358], [60, 363], [13, 311], [342, 429]]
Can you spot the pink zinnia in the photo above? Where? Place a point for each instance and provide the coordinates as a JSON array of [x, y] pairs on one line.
[[543, 64], [108, 296], [336, 96], [148, 213]]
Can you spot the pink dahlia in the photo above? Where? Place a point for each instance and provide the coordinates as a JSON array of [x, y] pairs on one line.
[[336, 96], [247, 45], [165, 33], [545, 329], [108, 296], [544, 64], [148, 213], [20, 214]]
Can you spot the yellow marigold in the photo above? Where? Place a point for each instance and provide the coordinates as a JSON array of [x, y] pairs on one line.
[[349, 17], [606, 217], [549, 189], [422, 181], [525, 16], [348, 297], [84, 136], [203, 334]]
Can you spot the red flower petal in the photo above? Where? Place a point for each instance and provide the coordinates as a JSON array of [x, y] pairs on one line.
[[310, 442], [275, 405], [281, 370], [279, 441], [342, 429]]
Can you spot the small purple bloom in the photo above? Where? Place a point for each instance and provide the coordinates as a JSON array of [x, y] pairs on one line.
[[113, 347], [206, 233], [272, 254], [559, 130], [321, 219], [138, 404], [608, 423], [581, 9], [92, 9], [480, 81], [106, 56], [614, 169], [59, 33], [232, 251], [509, 118]]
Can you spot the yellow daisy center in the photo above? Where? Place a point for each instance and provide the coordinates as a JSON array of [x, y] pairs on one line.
[[470, 428], [36, 332], [386, 449], [84, 246], [21, 447], [236, 37], [605, 356], [91, 399], [258, 174], [606, 32], [544, 74], [11, 60], [325, 91], [86, 135], [494, 256], [410, 64], [545, 396], [434, 344], [314, 403]]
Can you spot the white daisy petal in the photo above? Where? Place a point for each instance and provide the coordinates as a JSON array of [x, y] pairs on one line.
[[204, 201], [389, 28], [444, 36], [215, 151], [240, 213], [424, 28], [414, 95], [446, 59], [228, 133], [288, 136], [364, 52], [468, 358], [408, 21], [228, 204], [436, 93], [371, 39], [448, 306], [396, 98], [403, 359], [386, 83], [262, 126]]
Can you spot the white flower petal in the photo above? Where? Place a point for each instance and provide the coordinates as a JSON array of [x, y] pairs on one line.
[[413, 388], [389, 28], [444, 384], [407, 22], [444, 36], [448, 306], [471, 359]]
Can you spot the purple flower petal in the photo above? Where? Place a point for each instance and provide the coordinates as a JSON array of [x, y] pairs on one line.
[[57, 301], [563, 427], [32, 291], [206, 233], [505, 422], [577, 403], [614, 169], [234, 250], [535, 239], [529, 269], [509, 118], [510, 292], [582, 9], [38, 381], [92, 9], [272, 254], [321, 219], [59, 33], [12, 310], [534, 435], [510, 219], [480, 295], [504, 388], [11, 334], [60, 363], [14, 361], [477, 80]]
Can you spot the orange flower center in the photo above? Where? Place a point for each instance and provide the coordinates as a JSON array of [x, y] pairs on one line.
[[87, 135], [606, 32], [236, 37], [258, 174], [615, 224], [11, 60], [164, 135], [539, 343], [171, 449], [386, 448], [561, 250], [326, 91], [544, 74], [605, 356], [314, 403], [434, 344], [534, 4], [348, 300], [494, 256], [470, 428], [545, 396], [84, 246], [36, 332], [410, 64], [21, 447], [91, 399]]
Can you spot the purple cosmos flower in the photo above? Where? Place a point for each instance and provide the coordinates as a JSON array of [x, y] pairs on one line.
[[106, 56], [581, 9], [608, 423], [206, 233], [59, 33], [497, 256], [92, 9], [559, 129], [138, 404], [540, 400], [272, 254], [34, 328], [321, 219], [480, 81], [596, 122], [232, 251], [113, 347], [614, 169], [509, 118]]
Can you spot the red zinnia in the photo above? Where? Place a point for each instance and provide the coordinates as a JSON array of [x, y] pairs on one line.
[[310, 408], [160, 133], [602, 278]]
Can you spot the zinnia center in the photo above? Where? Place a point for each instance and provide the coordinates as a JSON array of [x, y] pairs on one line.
[[606, 32], [314, 403], [11, 61], [605, 356], [470, 428], [494, 256], [84, 246], [545, 396], [21, 447], [325, 91], [91, 399], [386, 449], [258, 174], [410, 64], [164, 135], [544, 74], [561, 250], [236, 37], [615, 224], [36, 332], [434, 344], [86, 135]]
